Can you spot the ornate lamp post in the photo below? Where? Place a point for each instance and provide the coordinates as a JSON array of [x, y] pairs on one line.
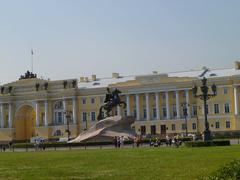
[[68, 117], [205, 96], [185, 114]]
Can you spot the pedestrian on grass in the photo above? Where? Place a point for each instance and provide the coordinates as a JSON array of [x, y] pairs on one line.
[[118, 142], [115, 141], [122, 141]]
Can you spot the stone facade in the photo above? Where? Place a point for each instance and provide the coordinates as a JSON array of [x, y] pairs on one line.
[[155, 100]]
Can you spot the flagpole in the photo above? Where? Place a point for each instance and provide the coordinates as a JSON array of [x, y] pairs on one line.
[[32, 60]]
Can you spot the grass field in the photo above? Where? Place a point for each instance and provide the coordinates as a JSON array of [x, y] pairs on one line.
[[143, 163]]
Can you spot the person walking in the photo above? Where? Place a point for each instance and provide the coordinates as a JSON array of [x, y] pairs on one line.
[[115, 141]]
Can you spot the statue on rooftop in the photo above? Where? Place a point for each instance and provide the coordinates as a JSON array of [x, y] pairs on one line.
[[28, 75]]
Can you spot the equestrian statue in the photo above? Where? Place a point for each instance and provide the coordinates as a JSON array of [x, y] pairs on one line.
[[112, 100]]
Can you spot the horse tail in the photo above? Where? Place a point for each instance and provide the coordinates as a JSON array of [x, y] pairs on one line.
[[124, 104]]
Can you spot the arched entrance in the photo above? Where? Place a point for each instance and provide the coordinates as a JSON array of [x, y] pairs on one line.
[[25, 122]]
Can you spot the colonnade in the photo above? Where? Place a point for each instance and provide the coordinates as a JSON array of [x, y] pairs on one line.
[[157, 104]]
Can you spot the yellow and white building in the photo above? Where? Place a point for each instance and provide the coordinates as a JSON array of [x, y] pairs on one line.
[[155, 100]]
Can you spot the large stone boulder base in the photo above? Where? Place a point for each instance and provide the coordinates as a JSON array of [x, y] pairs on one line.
[[107, 129]]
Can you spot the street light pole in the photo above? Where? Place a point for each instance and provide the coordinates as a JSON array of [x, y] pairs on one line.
[[205, 96], [185, 113], [68, 128]]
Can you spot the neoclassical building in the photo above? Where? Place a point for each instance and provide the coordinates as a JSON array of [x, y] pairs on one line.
[[33, 107]]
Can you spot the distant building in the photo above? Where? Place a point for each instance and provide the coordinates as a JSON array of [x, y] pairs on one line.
[[36, 107]]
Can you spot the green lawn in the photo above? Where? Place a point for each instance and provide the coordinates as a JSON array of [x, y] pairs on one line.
[[142, 163]]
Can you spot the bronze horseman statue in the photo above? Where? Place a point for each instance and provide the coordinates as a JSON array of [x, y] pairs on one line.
[[111, 101]]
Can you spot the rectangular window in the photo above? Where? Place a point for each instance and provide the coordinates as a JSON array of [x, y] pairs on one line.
[[92, 100], [153, 130], [42, 118], [194, 110], [144, 98], [58, 117], [93, 116], [154, 113], [134, 99], [216, 108], [164, 110], [217, 125], [143, 130], [225, 91], [183, 126], [174, 109], [173, 127], [135, 113], [184, 94], [154, 97], [84, 116], [194, 126], [144, 113], [228, 124], [84, 100], [174, 95], [226, 108], [125, 112], [164, 96]]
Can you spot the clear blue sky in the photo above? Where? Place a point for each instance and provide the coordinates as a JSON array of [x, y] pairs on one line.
[[73, 38]]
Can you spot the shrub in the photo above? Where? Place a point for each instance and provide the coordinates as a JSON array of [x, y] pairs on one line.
[[65, 144], [226, 135], [229, 171], [207, 143]]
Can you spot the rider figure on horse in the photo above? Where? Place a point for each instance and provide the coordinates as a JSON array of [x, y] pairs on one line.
[[111, 101], [108, 97]]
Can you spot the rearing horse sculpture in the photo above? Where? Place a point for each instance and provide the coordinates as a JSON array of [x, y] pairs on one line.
[[112, 100]]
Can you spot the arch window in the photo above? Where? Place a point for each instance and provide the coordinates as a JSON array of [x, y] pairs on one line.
[[58, 133]]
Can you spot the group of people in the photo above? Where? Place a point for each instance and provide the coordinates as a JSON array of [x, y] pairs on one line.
[[118, 141], [154, 142], [39, 145], [173, 141]]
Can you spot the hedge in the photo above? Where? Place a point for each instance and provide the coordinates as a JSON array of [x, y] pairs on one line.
[[208, 143], [64, 144], [229, 171]]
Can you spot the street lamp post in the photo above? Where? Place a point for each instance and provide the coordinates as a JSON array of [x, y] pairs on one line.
[[185, 114], [205, 96], [68, 116]]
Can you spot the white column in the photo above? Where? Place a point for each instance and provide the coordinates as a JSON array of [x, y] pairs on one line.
[[236, 100], [37, 114], [46, 114], [74, 110], [137, 106], [167, 105], [188, 103], [118, 110], [2, 116], [177, 104], [10, 115], [147, 106], [64, 110], [128, 105], [157, 105]]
